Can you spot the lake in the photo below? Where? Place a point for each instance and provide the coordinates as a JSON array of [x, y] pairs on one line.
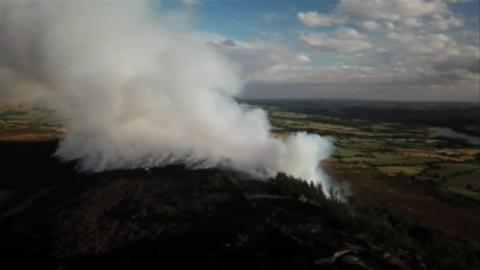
[[450, 133]]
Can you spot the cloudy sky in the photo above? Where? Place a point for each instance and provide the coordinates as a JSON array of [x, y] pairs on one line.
[[367, 49]]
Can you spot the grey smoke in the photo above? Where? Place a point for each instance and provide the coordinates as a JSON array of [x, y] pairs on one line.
[[136, 93]]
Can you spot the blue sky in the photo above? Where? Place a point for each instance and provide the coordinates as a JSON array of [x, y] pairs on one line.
[[369, 49], [242, 19]]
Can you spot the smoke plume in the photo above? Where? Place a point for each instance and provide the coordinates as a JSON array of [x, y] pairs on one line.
[[137, 91]]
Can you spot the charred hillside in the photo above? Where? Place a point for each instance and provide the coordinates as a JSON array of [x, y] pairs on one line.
[[55, 218]]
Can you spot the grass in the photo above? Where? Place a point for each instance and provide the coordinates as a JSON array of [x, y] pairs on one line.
[[395, 170], [458, 178], [393, 149]]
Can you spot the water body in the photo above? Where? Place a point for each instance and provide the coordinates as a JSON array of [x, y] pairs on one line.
[[450, 133]]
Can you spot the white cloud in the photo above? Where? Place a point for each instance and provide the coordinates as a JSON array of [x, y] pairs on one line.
[[303, 57], [463, 62], [390, 25], [345, 40], [370, 25], [380, 15], [457, 1], [315, 19], [440, 22], [405, 46], [412, 22], [438, 52], [422, 44], [258, 59], [391, 10], [426, 65], [433, 68], [384, 77]]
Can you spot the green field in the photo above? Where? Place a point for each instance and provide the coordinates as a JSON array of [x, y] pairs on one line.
[[411, 152]]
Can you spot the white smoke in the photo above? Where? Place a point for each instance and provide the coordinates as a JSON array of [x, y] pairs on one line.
[[136, 93]]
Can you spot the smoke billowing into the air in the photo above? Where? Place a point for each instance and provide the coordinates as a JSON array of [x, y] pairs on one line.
[[136, 93]]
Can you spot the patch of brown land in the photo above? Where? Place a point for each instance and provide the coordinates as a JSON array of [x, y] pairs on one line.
[[284, 114], [411, 198], [31, 134], [451, 154], [332, 128]]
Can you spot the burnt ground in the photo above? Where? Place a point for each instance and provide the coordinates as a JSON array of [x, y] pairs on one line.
[[52, 217]]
